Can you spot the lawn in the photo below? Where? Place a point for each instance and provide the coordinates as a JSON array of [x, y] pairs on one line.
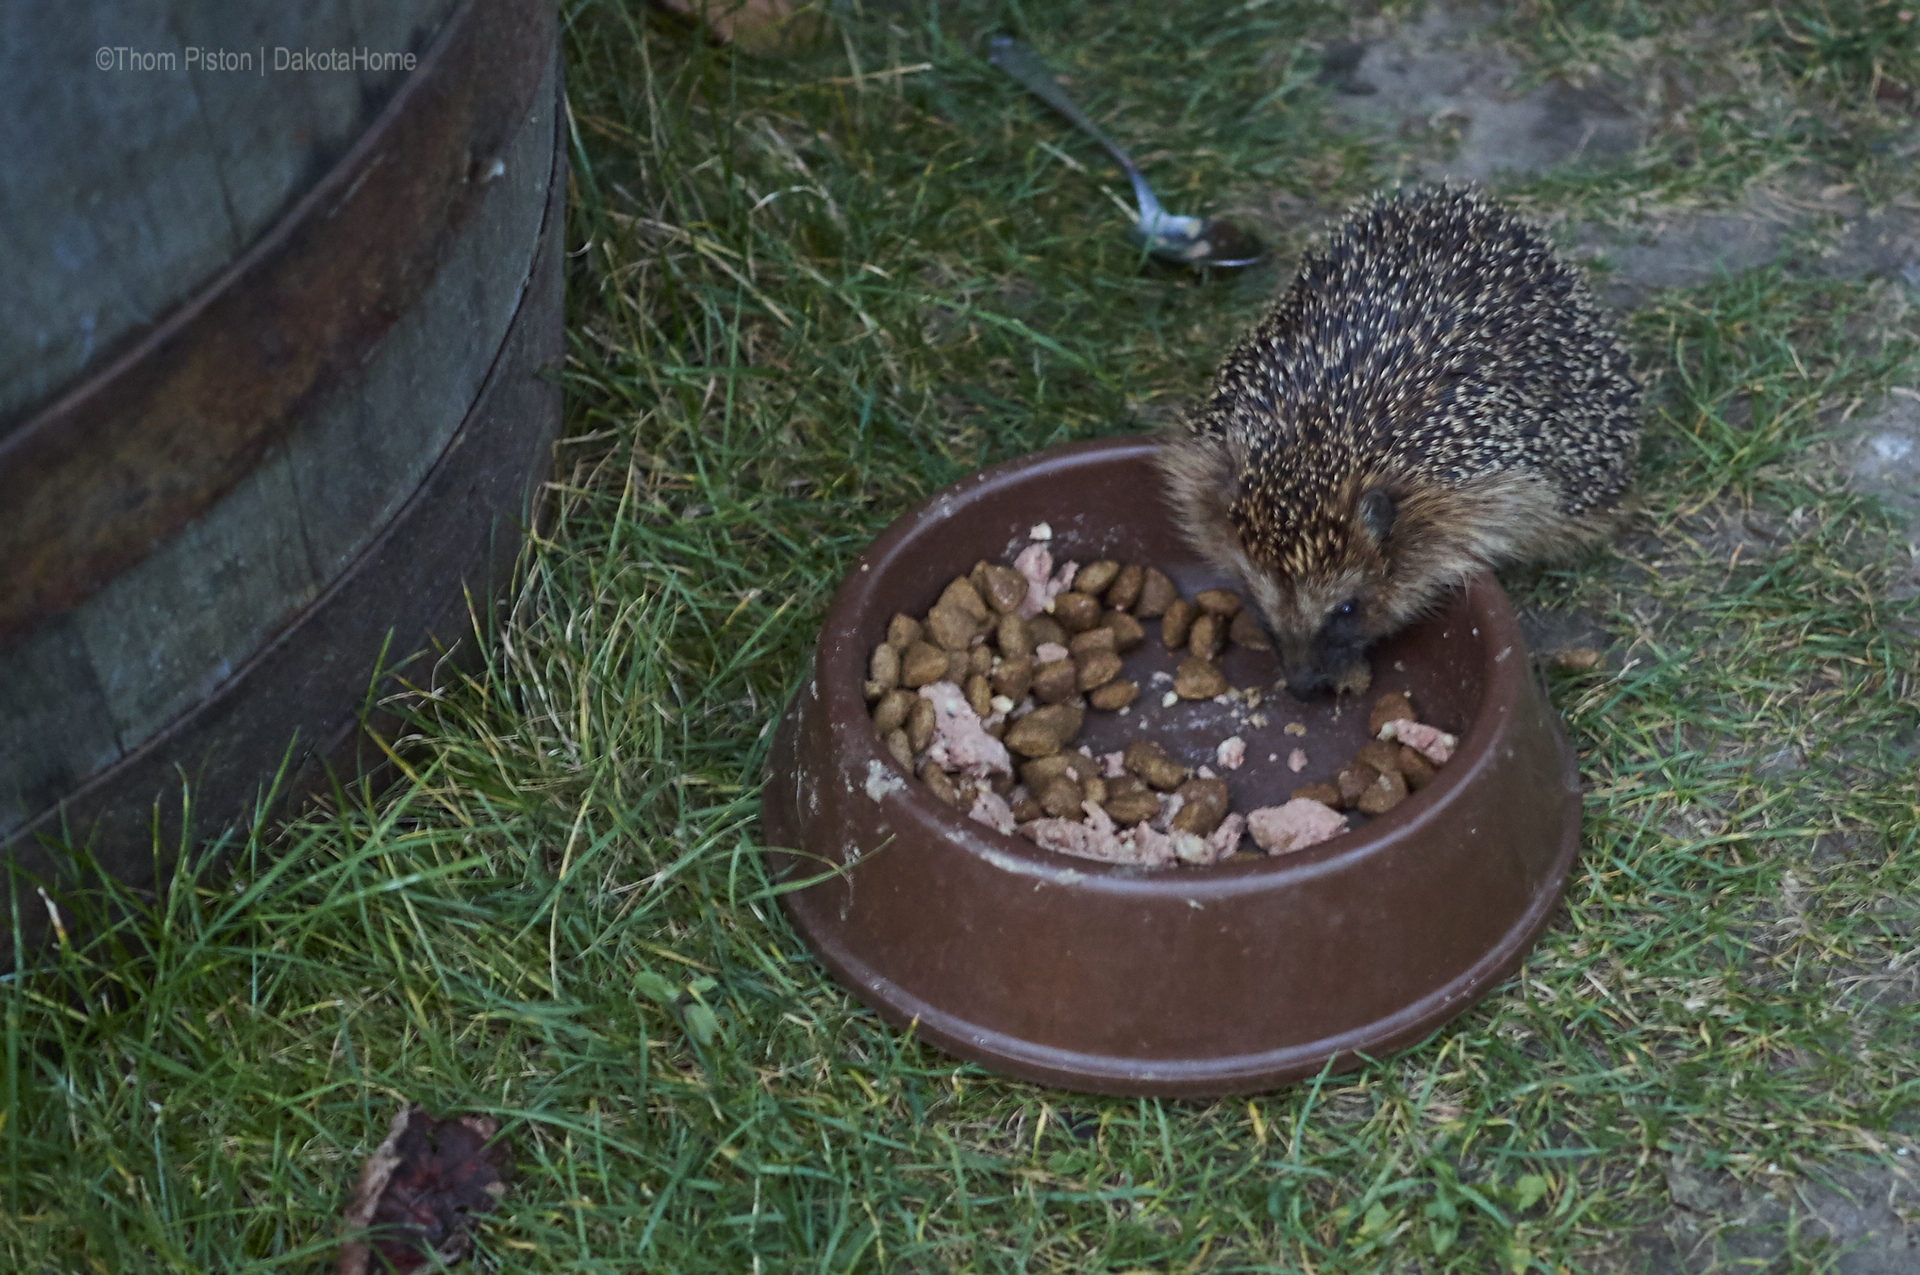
[[811, 284]]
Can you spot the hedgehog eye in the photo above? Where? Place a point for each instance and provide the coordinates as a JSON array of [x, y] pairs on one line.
[[1347, 608]]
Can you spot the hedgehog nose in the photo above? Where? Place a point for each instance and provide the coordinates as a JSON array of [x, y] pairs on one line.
[[1309, 684]]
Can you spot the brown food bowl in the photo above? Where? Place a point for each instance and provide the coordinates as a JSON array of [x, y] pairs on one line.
[[1182, 982]]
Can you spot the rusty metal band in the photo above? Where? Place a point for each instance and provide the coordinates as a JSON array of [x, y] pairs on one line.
[[100, 478]]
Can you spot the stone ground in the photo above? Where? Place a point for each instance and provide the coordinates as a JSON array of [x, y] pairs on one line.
[[1452, 106]]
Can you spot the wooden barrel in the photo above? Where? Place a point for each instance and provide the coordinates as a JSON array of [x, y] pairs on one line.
[[281, 284]]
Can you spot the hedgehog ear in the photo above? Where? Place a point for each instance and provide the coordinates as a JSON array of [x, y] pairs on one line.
[[1377, 513]]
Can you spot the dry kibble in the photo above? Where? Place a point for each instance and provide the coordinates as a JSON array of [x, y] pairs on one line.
[[1577, 659], [1125, 589], [935, 778], [1198, 679], [1000, 783], [1061, 798], [1076, 612], [1206, 635], [901, 747], [1006, 589], [1174, 624], [1224, 603], [1150, 762], [902, 632], [1094, 579], [1156, 595], [1129, 800], [1055, 682], [1014, 638], [980, 659], [980, 696], [1095, 789], [978, 578], [1036, 774], [1044, 731], [1026, 810], [965, 790], [1127, 632], [890, 714], [1391, 707], [963, 595], [1091, 642], [1383, 794], [950, 627], [1096, 670], [1325, 794], [959, 664], [1415, 768], [884, 667], [920, 719], [1118, 693], [1245, 631], [1354, 779], [1013, 677], [1380, 755], [1044, 629], [1204, 805], [996, 729], [923, 663]]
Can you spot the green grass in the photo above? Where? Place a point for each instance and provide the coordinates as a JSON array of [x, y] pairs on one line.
[[806, 292]]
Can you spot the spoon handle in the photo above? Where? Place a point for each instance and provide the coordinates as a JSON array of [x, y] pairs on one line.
[[1023, 64]]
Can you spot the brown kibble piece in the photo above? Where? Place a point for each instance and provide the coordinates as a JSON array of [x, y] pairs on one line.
[[1013, 677], [1044, 731], [1095, 789], [1391, 707], [1055, 682], [980, 696], [1116, 694], [923, 663], [965, 790], [1245, 631], [1354, 778], [978, 578], [935, 778], [891, 712], [1131, 808], [1043, 629], [1038, 773], [1000, 783], [1096, 670], [1380, 755], [1127, 632], [996, 729], [920, 722], [1095, 578], [1076, 612], [1150, 762], [950, 627], [963, 595], [1355, 680], [1006, 589], [902, 632], [1125, 589], [1173, 625], [1091, 642], [1014, 636], [1156, 595], [901, 747], [884, 667], [1026, 810], [959, 665], [1577, 659], [1383, 794], [1224, 603], [1325, 794], [1061, 798], [1204, 805], [980, 659], [1198, 679], [1205, 636], [1415, 768]]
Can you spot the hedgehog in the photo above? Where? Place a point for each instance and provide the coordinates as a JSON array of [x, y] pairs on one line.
[[1436, 394]]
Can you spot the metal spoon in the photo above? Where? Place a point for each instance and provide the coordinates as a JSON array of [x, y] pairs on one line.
[[1188, 241]]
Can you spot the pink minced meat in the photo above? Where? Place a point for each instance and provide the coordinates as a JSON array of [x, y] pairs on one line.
[[1231, 752], [1295, 826], [1113, 765], [990, 808], [1097, 838], [1225, 839], [1043, 586], [1297, 760], [960, 742], [1434, 744]]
